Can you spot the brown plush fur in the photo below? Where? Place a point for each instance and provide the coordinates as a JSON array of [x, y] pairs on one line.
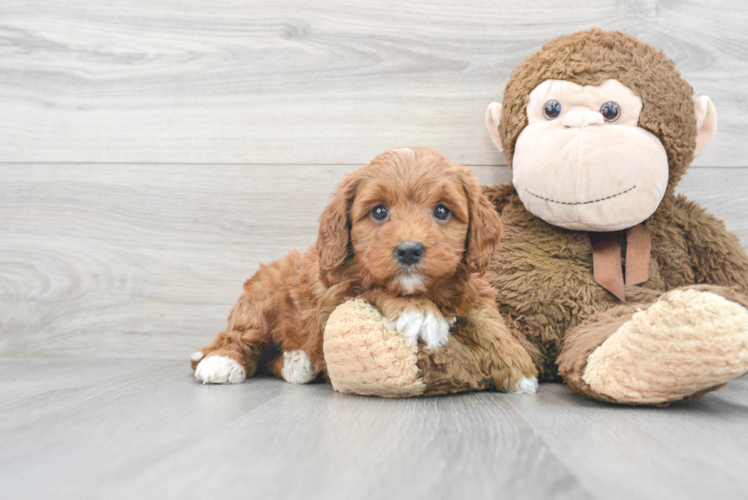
[[697, 291], [543, 274], [592, 57], [285, 305], [583, 340], [451, 368]]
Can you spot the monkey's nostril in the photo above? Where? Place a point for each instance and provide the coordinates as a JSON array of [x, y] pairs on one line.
[[409, 252]]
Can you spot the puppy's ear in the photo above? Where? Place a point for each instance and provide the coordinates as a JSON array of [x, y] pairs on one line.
[[484, 231], [334, 237]]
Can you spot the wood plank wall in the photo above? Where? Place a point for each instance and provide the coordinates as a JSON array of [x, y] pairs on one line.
[[153, 153]]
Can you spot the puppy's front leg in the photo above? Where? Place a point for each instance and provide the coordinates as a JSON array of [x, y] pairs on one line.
[[508, 363], [413, 318], [428, 325]]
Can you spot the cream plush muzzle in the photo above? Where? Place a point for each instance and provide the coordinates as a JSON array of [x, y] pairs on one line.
[[578, 171]]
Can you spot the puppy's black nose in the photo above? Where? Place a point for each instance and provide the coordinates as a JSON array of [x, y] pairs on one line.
[[409, 252]]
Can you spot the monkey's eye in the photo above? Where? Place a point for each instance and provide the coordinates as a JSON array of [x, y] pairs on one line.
[[379, 213], [441, 213], [552, 109], [610, 111]]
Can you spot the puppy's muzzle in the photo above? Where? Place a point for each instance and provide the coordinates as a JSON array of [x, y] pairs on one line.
[[409, 252]]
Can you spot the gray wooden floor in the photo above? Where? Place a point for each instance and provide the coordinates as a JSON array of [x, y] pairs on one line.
[[152, 154], [81, 428]]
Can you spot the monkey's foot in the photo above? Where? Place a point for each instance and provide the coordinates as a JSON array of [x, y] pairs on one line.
[[688, 342], [364, 356]]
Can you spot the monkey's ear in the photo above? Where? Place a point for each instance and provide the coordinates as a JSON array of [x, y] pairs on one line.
[[706, 123], [334, 226], [493, 118]]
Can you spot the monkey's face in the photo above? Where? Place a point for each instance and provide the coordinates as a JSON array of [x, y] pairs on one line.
[[583, 162]]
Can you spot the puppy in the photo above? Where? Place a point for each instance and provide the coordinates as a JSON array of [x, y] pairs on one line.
[[412, 234]]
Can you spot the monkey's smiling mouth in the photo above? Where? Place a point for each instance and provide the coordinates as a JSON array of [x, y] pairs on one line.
[[581, 202]]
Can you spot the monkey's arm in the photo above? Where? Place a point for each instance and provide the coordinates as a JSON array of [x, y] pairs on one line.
[[716, 255]]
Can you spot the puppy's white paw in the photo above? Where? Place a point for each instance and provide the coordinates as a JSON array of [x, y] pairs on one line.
[[433, 329], [220, 370], [527, 386], [297, 367], [408, 325], [197, 356]]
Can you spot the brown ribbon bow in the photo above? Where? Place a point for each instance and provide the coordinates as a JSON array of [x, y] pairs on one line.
[[606, 259]]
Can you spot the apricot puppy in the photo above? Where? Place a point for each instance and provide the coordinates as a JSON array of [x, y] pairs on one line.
[[412, 234]]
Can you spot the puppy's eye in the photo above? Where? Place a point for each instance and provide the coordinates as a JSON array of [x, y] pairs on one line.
[[379, 213], [552, 109], [610, 111], [441, 213]]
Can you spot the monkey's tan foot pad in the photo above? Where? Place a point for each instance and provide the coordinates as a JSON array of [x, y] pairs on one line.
[[364, 356], [686, 342]]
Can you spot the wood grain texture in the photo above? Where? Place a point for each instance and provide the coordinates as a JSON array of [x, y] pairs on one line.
[[692, 450], [146, 429], [145, 261], [153, 154], [325, 82]]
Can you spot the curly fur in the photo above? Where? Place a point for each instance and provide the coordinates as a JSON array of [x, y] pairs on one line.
[[286, 304]]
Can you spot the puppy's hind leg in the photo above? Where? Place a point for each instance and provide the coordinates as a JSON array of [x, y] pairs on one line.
[[293, 366], [265, 305], [230, 358], [235, 353]]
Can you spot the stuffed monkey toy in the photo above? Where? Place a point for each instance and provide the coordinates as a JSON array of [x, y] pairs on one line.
[[627, 292]]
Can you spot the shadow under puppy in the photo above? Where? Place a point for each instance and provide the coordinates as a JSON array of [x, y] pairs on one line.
[[412, 234]]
